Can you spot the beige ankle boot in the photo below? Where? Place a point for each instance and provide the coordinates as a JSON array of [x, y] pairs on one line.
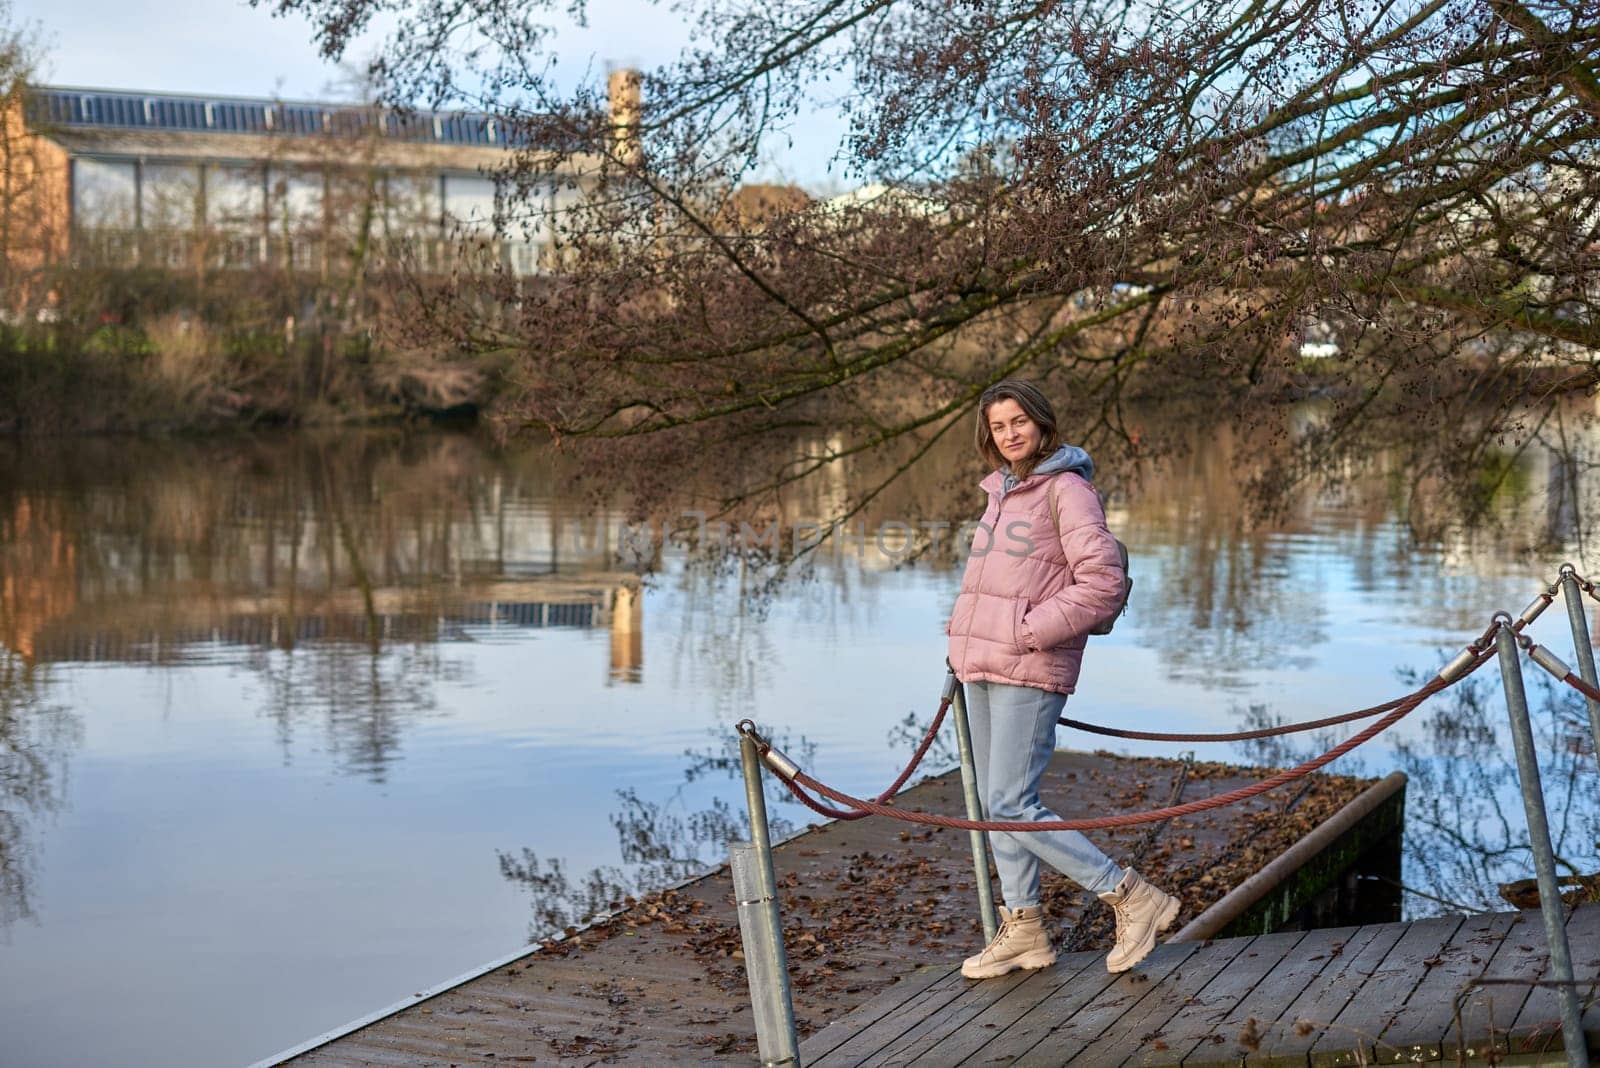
[[1021, 942], [1142, 912]]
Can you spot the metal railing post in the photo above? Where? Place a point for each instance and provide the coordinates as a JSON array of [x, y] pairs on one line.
[[1544, 863], [1580, 641], [969, 788], [760, 927]]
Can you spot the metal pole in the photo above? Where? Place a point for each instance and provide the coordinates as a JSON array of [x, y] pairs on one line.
[[1580, 641], [1544, 861], [969, 787], [763, 941]]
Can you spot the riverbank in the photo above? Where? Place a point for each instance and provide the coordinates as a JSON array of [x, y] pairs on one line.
[[180, 376], [148, 354], [662, 981]]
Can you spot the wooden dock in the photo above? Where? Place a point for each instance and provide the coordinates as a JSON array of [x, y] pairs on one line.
[[663, 981], [1457, 989]]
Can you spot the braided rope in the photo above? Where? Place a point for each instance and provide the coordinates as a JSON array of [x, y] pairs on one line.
[[1582, 687], [894, 787], [1472, 658], [1404, 707], [1234, 736]]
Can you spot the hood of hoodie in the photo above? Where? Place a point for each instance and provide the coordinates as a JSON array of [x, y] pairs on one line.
[[1066, 458]]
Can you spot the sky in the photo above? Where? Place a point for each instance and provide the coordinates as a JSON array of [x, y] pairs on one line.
[[226, 47]]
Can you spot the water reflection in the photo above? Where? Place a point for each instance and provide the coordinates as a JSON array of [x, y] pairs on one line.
[[338, 570], [664, 843], [278, 543], [412, 642], [1467, 838], [1227, 595], [36, 735], [658, 848]]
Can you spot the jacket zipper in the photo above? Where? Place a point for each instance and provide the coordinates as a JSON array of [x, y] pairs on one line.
[[999, 506]]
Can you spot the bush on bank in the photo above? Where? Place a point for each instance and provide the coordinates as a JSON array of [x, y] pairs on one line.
[[147, 349]]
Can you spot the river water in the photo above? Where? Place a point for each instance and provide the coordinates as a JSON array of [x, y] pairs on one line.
[[293, 727]]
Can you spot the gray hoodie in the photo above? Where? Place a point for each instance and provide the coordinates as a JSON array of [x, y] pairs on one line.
[[1066, 458]]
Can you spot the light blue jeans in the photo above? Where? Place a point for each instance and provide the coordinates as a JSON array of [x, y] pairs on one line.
[[1013, 736]]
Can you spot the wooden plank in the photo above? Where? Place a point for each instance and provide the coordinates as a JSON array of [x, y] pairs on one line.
[[979, 995], [362, 1055], [880, 1032], [1030, 1026], [1352, 1036], [1137, 1029], [1272, 995], [1084, 973], [1198, 1018], [1049, 1036], [1289, 1039], [1488, 1012], [839, 1031], [687, 1008], [1384, 992], [1586, 962], [1418, 1033], [1537, 1028]]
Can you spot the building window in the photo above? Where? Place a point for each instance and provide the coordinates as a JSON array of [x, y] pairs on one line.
[[297, 195], [412, 207], [234, 198], [169, 196], [104, 195], [469, 203]]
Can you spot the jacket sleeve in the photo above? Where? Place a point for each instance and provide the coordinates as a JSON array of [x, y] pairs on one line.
[[1096, 566]]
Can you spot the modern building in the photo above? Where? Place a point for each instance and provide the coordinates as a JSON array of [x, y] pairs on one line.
[[163, 179]]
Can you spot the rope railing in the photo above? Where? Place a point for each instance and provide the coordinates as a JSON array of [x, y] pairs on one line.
[[1583, 584], [1556, 667], [1231, 736], [808, 790], [894, 787], [798, 782], [1535, 608], [761, 924]]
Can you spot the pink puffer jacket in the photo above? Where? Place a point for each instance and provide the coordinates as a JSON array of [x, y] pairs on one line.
[[1028, 603]]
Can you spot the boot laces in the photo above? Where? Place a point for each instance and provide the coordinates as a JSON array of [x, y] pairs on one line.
[[1000, 936]]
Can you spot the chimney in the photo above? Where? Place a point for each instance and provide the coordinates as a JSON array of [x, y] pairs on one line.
[[622, 93]]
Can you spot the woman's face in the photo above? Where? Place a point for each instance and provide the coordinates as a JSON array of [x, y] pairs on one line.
[[1015, 434]]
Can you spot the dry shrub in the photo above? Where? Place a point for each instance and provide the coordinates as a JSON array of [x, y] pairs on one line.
[[419, 379], [188, 358]]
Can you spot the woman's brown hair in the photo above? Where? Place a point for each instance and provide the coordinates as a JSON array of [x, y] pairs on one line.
[[1037, 407]]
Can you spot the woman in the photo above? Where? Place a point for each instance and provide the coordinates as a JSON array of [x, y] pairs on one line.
[[1043, 572]]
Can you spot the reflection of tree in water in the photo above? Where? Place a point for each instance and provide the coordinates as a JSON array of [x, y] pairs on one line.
[[1465, 829], [1466, 833], [1220, 605], [658, 849], [365, 700], [1288, 750], [720, 646], [657, 846], [723, 758], [35, 738], [908, 734]]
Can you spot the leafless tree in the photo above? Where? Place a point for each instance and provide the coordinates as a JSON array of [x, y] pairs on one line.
[[1120, 198]]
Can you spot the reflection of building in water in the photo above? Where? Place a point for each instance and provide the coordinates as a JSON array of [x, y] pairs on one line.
[[33, 553], [158, 569], [627, 633], [168, 633]]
